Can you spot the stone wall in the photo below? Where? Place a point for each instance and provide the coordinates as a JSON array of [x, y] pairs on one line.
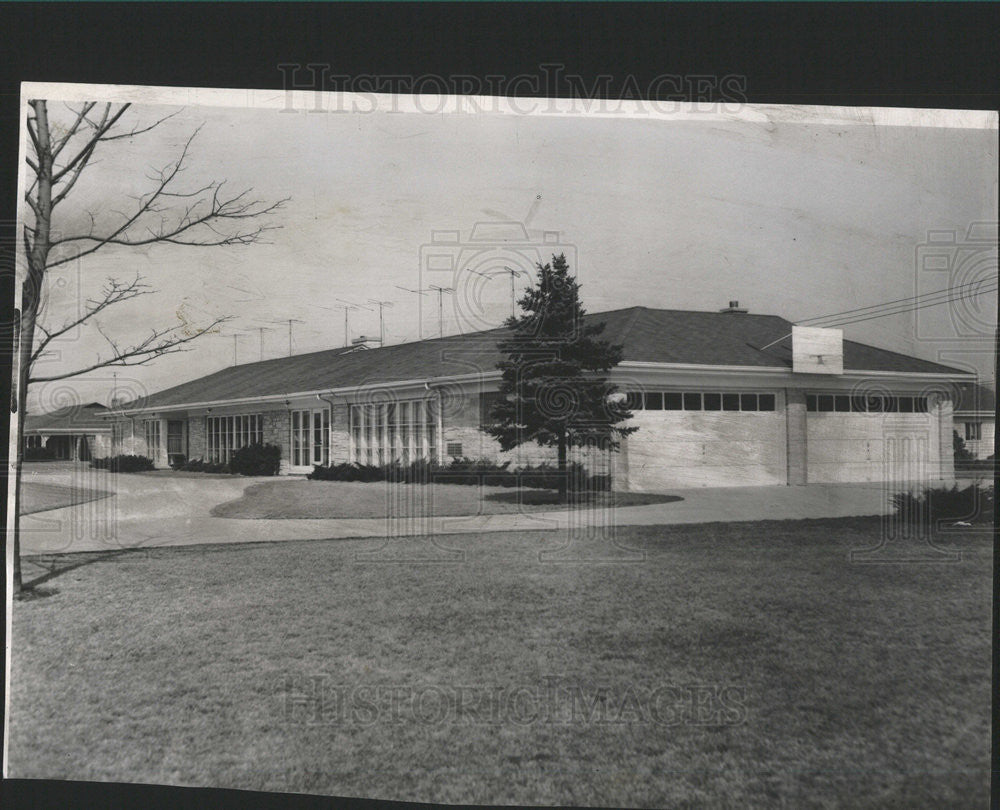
[[276, 430], [340, 438], [197, 438]]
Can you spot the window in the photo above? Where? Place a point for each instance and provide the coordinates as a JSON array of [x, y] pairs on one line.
[[229, 433], [698, 401], [117, 435], [633, 400], [454, 449], [861, 403], [152, 430], [973, 430]]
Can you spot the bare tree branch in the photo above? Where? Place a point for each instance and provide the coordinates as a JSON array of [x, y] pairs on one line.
[[107, 122], [81, 116], [114, 292], [136, 131], [140, 354]]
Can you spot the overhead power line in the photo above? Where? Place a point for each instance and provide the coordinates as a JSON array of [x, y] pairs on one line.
[[897, 307], [909, 308], [955, 293]]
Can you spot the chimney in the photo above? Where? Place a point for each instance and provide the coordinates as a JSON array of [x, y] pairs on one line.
[[364, 342], [734, 306]]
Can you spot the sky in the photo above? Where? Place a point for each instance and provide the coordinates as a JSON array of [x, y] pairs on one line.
[[791, 211]]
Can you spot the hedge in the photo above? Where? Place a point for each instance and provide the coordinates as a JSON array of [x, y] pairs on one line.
[[125, 464], [466, 471], [254, 459], [39, 454]]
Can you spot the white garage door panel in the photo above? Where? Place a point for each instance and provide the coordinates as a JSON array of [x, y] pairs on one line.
[[847, 447], [694, 449]]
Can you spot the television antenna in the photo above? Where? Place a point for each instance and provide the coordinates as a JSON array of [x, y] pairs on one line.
[[381, 323], [290, 321], [513, 273], [262, 330], [347, 306], [441, 291], [420, 320]]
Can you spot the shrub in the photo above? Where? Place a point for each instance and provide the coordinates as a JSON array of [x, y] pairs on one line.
[[256, 459], [123, 463], [973, 504], [39, 454], [962, 453]]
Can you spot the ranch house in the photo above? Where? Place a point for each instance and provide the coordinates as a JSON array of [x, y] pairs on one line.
[[721, 398]]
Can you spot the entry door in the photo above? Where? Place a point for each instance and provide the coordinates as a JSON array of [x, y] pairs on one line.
[[310, 437]]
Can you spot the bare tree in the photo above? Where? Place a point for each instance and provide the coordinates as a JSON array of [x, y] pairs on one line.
[[167, 213]]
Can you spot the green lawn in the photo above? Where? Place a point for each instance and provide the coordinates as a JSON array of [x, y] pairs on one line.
[[793, 678], [37, 497], [353, 499]]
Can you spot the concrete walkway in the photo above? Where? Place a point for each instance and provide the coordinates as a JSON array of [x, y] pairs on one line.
[[149, 511]]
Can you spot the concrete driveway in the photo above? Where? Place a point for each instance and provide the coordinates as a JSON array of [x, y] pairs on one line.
[[152, 510]]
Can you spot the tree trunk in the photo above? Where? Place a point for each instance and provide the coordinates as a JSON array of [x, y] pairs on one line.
[[562, 467], [31, 290]]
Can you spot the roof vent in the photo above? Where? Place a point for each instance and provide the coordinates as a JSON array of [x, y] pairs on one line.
[[734, 306]]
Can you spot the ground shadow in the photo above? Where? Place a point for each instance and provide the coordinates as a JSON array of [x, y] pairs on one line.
[[55, 565], [550, 497]]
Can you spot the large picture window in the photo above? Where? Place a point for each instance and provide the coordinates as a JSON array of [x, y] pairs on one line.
[[402, 432], [229, 433]]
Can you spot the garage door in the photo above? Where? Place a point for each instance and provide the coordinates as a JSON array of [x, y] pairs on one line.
[[674, 449], [869, 447]]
